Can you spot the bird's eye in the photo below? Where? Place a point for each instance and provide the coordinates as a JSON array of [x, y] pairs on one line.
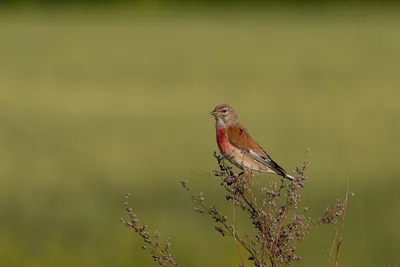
[[224, 110]]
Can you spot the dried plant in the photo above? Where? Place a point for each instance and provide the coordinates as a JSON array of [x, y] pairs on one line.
[[274, 214], [160, 253]]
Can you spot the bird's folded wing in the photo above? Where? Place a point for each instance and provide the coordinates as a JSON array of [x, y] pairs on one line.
[[240, 138], [270, 164], [266, 161]]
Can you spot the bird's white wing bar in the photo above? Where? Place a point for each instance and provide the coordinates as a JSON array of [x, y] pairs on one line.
[[259, 158]]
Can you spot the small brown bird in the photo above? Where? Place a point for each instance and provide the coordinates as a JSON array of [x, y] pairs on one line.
[[238, 147]]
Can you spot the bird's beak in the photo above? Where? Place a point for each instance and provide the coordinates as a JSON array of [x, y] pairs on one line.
[[213, 113]]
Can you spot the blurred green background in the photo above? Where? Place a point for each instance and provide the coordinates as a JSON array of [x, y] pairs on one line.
[[97, 102]]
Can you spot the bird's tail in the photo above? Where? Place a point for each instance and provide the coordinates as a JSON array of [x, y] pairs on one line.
[[287, 176], [291, 178]]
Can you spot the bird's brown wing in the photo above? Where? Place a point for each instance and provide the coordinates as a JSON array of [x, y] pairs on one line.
[[240, 138]]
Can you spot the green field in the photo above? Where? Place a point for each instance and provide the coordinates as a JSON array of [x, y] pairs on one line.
[[97, 104]]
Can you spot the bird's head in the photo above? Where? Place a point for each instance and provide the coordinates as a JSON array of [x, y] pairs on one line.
[[224, 113]]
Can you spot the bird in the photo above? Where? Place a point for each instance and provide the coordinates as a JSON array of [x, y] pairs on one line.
[[237, 146]]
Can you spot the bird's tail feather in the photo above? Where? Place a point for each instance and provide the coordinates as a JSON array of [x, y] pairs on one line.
[[287, 176], [291, 178]]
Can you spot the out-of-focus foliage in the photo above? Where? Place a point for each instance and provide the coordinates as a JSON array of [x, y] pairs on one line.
[[95, 105], [196, 2]]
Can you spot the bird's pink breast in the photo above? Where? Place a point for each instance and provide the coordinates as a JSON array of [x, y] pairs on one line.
[[222, 139]]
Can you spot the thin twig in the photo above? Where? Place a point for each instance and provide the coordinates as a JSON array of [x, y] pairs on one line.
[[239, 247], [340, 237]]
